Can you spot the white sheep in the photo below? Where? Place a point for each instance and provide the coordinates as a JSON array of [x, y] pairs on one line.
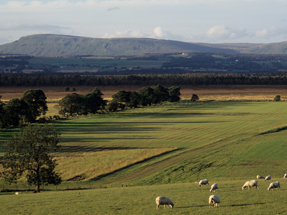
[[213, 187], [161, 200], [285, 175], [18, 193], [203, 182], [252, 183], [273, 185], [260, 177], [215, 200], [268, 177]]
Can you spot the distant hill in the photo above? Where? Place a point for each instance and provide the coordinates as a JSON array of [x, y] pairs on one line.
[[54, 45], [270, 48]]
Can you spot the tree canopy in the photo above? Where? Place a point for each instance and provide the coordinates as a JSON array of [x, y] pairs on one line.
[[28, 154]]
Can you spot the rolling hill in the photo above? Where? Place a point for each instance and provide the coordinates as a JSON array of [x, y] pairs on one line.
[[53, 45]]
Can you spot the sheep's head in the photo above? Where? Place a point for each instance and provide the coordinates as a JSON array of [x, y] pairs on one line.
[[243, 187], [171, 205]]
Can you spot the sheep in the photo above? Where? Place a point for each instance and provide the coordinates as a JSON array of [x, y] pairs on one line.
[[285, 175], [215, 200], [260, 177], [203, 182], [268, 177], [161, 200], [273, 185], [18, 193], [252, 183], [214, 187]]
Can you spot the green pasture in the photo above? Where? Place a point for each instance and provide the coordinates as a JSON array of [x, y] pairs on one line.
[[188, 198], [164, 150]]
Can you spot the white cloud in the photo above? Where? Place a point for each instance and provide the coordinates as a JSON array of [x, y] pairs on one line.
[[126, 33], [271, 32], [158, 32], [221, 32]]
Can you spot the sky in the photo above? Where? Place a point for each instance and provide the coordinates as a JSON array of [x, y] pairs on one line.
[[207, 21]]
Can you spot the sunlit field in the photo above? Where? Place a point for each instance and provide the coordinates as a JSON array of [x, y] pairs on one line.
[[164, 150], [188, 198]]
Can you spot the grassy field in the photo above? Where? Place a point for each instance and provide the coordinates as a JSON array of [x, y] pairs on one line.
[[226, 142], [188, 198]]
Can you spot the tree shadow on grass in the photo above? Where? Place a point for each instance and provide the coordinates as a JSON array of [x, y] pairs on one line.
[[95, 149]]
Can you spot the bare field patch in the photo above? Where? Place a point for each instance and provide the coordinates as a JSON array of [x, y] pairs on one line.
[[263, 93]]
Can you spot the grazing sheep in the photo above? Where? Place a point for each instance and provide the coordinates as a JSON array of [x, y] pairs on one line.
[[260, 177], [18, 193], [285, 175], [203, 182], [214, 187], [161, 200], [268, 177], [252, 183], [273, 185], [215, 200]]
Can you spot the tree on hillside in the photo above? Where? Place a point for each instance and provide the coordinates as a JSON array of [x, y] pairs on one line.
[[174, 94], [161, 94], [16, 112], [147, 96], [277, 98], [2, 113], [71, 104], [28, 154], [194, 97], [36, 100]]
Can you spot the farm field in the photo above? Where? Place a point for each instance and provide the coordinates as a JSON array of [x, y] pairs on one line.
[[188, 198], [169, 147], [218, 93]]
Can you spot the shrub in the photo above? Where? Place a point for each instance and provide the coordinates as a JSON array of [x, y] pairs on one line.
[[67, 89], [277, 98], [194, 97]]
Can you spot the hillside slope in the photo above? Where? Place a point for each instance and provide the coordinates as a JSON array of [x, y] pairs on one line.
[[48, 44], [270, 48]]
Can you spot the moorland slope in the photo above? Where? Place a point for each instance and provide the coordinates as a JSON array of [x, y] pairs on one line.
[[53, 45]]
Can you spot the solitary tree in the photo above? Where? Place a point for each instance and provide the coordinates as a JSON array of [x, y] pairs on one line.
[[28, 154], [36, 100], [277, 98], [194, 97]]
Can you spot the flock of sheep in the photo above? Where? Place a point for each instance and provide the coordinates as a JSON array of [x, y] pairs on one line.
[[215, 200]]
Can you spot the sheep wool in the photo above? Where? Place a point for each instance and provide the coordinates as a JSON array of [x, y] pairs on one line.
[[274, 185], [249, 184], [203, 182], [214, 187], [268, 177], [161, 200], [215, 200], [260, 177]]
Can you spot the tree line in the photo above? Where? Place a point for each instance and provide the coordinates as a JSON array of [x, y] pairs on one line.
[[33, 103], [145, 79], [75, 104], [22, 111]]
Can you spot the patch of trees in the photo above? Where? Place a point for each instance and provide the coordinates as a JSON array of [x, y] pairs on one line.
[[25, 110], [145, 79], [82, 104], [75, 104], [144, 97]]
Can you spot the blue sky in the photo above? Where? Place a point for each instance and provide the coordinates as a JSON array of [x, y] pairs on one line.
[[212, 21]]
